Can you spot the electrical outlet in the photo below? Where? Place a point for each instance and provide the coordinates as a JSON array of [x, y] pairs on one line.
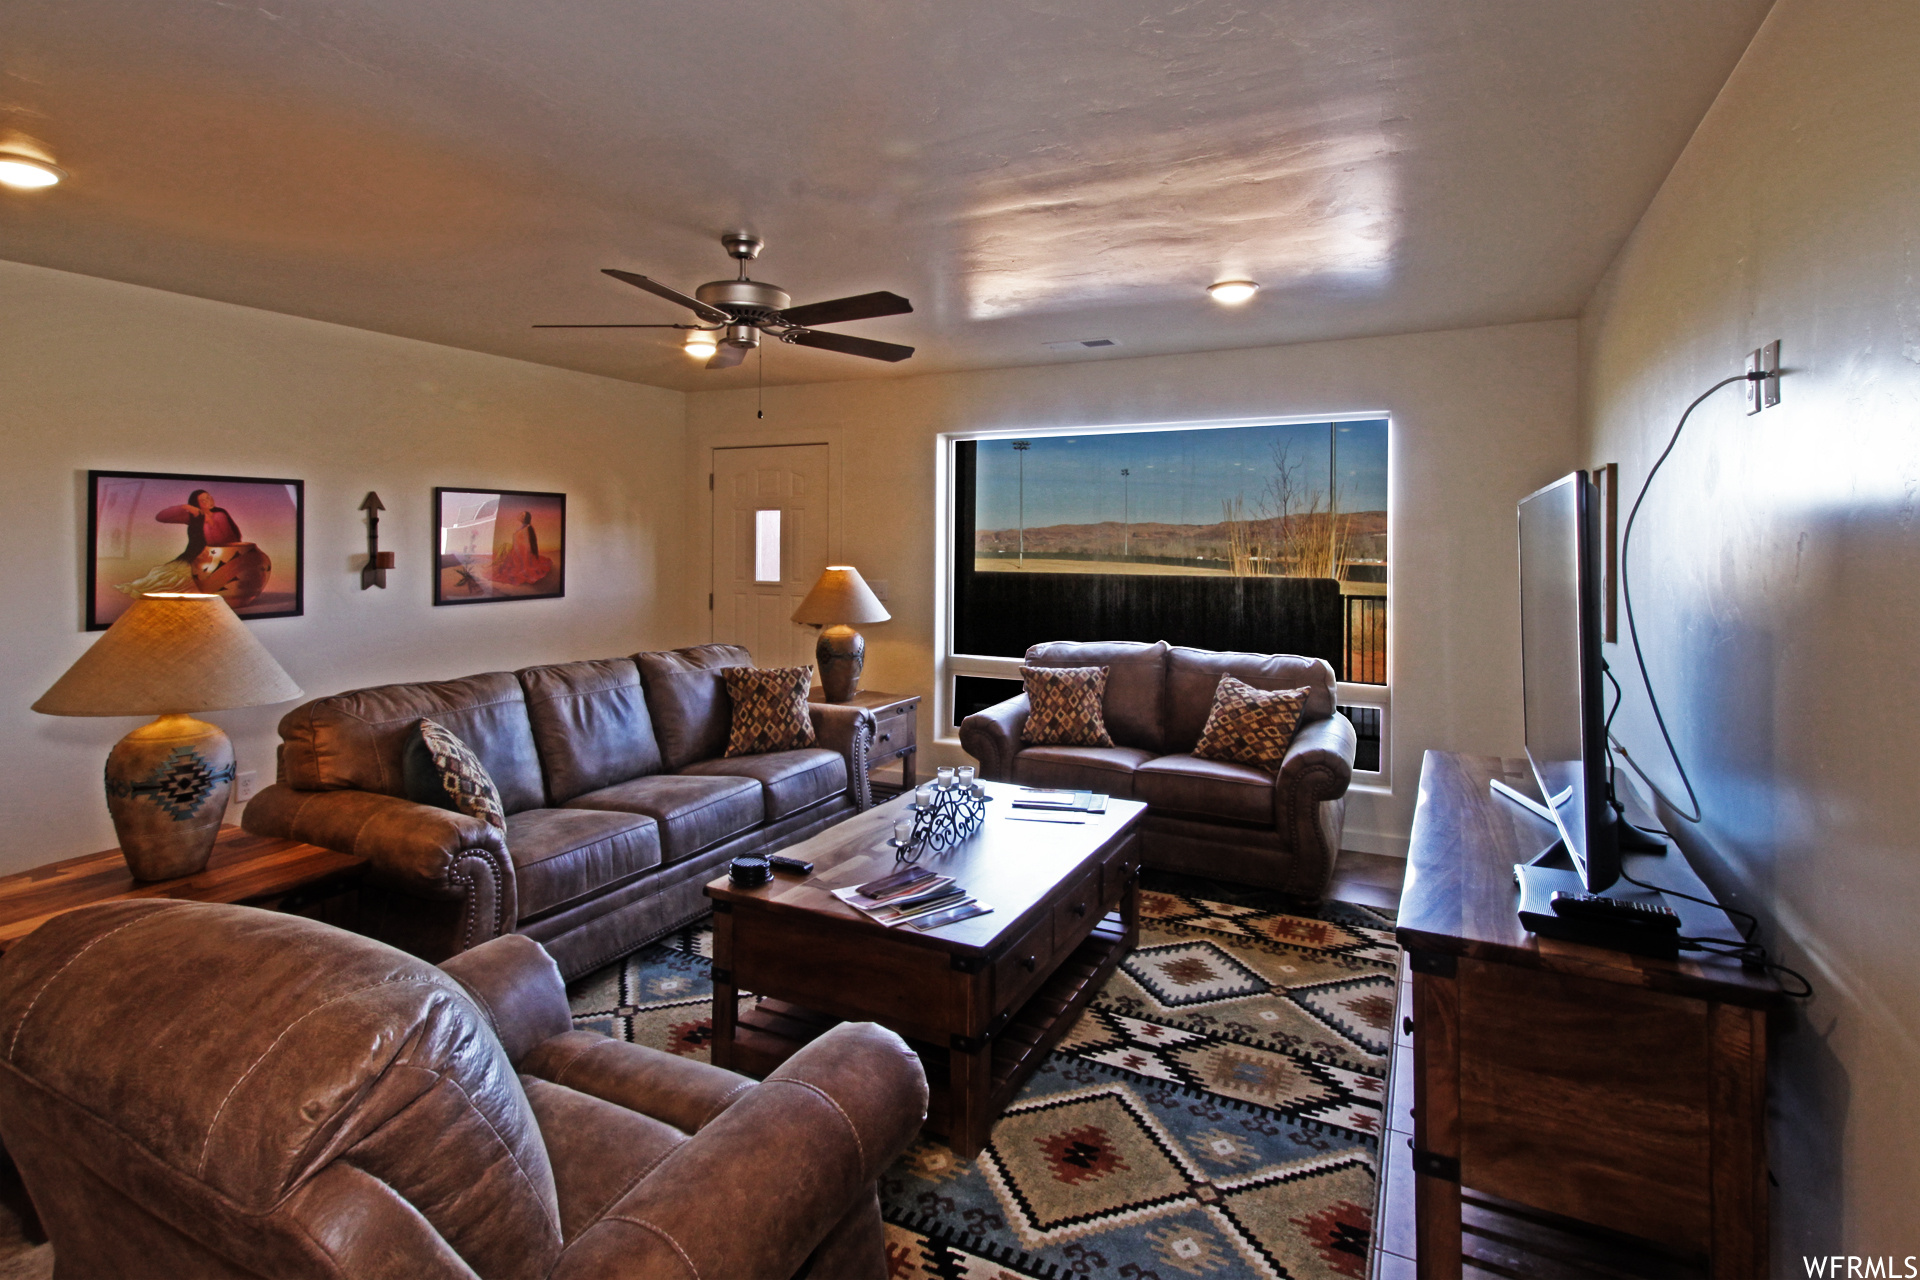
[[1765, 393], [244, 785], [879, 588]]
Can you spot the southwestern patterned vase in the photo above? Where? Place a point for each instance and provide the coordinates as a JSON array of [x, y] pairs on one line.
[[167, 788]]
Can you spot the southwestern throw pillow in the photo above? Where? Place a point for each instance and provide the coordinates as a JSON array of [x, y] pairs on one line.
[[1066, 707], [1249, 725], [440, 770], [769, 709]]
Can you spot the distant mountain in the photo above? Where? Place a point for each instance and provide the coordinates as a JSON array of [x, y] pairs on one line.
[[1366, 533]]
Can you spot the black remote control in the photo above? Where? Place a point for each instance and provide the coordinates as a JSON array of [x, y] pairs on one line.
[[1602, 909], [781, 862]]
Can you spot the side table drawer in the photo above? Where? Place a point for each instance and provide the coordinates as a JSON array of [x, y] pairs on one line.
[[893, 731]]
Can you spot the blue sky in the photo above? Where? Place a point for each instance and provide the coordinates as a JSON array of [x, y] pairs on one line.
[[1178, 477]]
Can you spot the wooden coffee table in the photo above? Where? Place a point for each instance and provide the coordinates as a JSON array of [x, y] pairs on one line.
[[981, 1001]]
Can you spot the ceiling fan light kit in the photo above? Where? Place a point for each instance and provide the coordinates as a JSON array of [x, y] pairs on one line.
[[28, 173], [1232, 292], [736, 313]]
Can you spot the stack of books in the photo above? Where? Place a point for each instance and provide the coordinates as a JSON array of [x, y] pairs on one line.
[[1071, 806], [913, 896]]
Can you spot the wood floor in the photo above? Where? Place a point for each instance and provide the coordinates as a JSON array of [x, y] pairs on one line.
[[1370, 879]]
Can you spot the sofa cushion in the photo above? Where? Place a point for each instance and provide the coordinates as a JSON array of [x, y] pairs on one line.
[[1063, 707], [1199, 788], [693, 812], [791, 780], [442, 771], [358, 740], [590, 724], [1193, 674], [1249, 725], [1134, 705], [1108, 770], [561, 856], [691, 712], [767, 709]]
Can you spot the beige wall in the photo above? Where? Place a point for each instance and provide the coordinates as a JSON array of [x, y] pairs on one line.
[[1481, 417], [1777, 569], [101, 375]]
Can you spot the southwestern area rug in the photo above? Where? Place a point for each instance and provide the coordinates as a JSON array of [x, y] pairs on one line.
[[1215, 1114]]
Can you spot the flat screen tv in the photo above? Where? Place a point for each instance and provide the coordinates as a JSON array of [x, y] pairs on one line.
[[1562, 668]]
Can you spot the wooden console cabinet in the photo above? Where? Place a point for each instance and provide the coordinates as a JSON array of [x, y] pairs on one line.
[[1596, 1086]]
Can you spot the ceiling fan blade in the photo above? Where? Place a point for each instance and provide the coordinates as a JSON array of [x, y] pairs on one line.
[[848, 345], [728, 356], [712, 315], [863, 306], [615, 326]]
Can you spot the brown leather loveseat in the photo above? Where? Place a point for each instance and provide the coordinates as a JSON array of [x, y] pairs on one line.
[[221, 1092], [1204, 817], [620, 801]]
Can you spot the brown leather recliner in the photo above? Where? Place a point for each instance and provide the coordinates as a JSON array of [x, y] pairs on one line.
[[215, 1092], [1204, 817]]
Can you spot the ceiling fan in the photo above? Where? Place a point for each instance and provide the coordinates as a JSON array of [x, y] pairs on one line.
[[738, 311]]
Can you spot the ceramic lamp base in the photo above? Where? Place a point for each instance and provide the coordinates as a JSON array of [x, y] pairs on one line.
[[167, 788], [841, 653]]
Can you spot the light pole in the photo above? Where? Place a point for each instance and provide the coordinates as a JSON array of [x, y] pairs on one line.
[[1126, 514], [1020, 447]]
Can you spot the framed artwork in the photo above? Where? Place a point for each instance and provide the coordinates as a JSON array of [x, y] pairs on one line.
[[498, 544], [235, 536]]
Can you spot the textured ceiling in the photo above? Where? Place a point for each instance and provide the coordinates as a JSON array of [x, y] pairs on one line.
[[1025, 171]]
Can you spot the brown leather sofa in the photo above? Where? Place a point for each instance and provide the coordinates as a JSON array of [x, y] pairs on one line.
[[1204, 817], [620, 802], [223, 1092]]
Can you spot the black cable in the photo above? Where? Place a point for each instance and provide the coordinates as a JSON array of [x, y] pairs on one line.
[[1747, 951], [1626, 592]]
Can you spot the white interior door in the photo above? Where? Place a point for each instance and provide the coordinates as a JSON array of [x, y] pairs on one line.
[[769, 547]]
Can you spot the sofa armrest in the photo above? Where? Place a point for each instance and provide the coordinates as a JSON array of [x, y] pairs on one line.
[[848, 729], [415, 849], [519, 987], [753, 1193], [1309, 800], [993, 736]]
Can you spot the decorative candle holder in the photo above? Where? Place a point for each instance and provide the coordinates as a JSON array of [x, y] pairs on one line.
[[953, 814]]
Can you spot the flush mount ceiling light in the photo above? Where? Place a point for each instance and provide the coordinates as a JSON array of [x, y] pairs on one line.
[[25, 173], [701, 346], [1232, 292]]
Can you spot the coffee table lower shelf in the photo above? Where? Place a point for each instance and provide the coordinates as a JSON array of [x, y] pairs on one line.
[[772, 1031]]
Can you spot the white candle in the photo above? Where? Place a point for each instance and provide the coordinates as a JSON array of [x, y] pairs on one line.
[[965, 775], [903, 828], [943, 777], [924, 796]]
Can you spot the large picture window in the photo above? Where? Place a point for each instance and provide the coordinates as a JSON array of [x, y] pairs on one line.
[[1267, 538]]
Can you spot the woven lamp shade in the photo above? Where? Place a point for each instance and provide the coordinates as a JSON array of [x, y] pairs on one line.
[[841, 596], [170, 655]]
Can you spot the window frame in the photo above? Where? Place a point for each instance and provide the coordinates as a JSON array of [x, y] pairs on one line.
[[948, 664]]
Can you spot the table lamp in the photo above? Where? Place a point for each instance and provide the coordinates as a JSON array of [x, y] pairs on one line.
[[840, 598], [168, 781]]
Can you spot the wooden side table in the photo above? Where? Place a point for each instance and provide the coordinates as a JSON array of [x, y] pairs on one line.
[[895, 720], [260, 870]]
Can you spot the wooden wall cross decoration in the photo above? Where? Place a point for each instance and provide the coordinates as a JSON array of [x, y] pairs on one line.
[[378, 561]]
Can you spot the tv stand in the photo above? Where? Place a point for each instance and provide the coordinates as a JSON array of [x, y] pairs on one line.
[[1614, 1092]]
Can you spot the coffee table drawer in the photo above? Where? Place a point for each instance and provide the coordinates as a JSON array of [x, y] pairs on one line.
[[1021, 969], [1118, 873], [1076, 910]]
